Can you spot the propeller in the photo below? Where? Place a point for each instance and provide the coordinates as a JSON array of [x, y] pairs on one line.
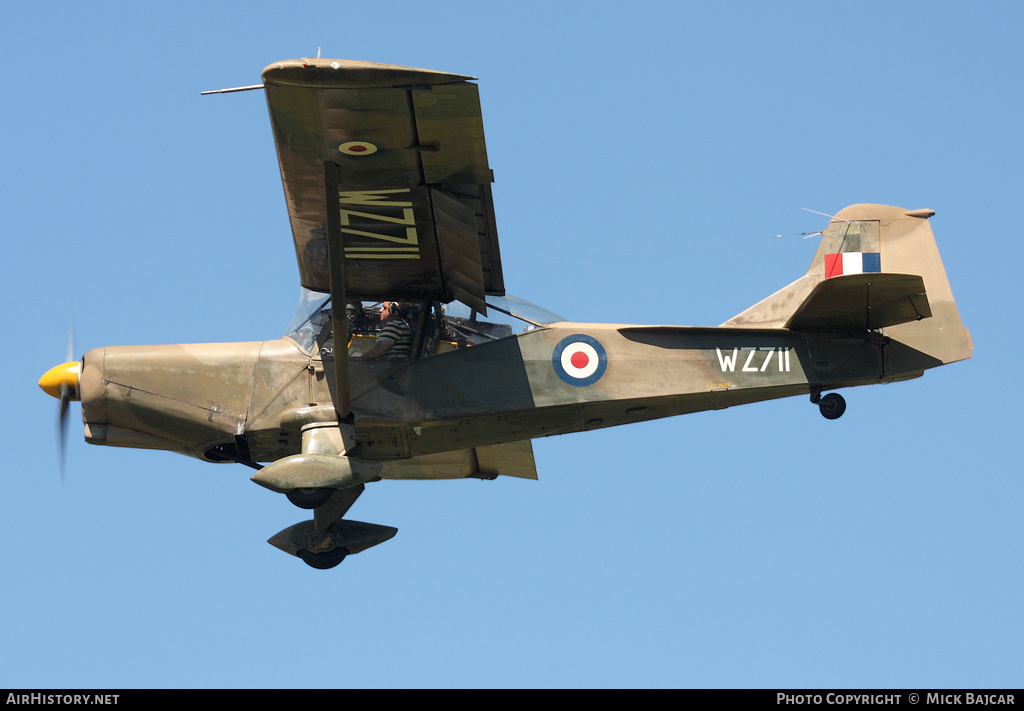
[[61, 381]]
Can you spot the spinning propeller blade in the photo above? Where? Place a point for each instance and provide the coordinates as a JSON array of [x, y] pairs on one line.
[[61, 382]]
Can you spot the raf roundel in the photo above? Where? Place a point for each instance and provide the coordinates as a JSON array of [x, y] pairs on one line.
[[579, 360], [357, 148]]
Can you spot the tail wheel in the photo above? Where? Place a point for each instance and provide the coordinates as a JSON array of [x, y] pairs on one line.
[[323, 561], [832, 406]]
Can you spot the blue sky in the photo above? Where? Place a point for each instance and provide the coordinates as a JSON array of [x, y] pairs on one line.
[[645, 157]]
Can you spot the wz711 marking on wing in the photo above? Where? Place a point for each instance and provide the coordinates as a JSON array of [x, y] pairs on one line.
[[727, 363], [400, 244]]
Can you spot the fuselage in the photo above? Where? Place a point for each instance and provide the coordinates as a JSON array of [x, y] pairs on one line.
[[249, 401]]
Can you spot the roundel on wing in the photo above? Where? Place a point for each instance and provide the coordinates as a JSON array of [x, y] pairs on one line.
[[579, 360], [357, 148]]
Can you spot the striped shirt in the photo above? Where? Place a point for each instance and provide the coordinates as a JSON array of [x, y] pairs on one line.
[[399, 334]]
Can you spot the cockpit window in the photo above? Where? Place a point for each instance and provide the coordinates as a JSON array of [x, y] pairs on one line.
[[415, 329], [310, 318], [506, 316], [385, 330]]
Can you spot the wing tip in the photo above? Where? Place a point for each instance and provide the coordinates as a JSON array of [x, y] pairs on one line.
[[352, 74]]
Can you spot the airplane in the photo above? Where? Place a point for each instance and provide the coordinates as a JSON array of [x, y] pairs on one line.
[[446, 376]]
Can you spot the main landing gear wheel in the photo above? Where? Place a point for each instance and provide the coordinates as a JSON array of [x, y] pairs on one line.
[[323, 561], [832, 406], [309, 498]]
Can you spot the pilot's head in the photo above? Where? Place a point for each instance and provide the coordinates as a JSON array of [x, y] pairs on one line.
[[391, 310]]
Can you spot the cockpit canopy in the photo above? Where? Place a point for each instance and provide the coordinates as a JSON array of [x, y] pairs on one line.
[[435, 327]]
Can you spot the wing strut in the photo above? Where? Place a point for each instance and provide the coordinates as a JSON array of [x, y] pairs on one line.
[[336, 273]]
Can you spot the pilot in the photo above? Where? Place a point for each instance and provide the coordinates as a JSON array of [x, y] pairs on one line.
[[394, 342]]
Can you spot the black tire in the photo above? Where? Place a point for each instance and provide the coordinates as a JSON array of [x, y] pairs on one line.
[[323, 561], [832, 406], [309, 498]]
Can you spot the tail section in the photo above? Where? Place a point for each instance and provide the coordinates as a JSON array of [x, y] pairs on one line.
[[877, 269]]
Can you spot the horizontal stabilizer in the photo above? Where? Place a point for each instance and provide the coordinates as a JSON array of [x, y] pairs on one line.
[[862, 302]]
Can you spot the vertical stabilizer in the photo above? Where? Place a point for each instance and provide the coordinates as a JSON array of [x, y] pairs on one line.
[[874, 239]]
